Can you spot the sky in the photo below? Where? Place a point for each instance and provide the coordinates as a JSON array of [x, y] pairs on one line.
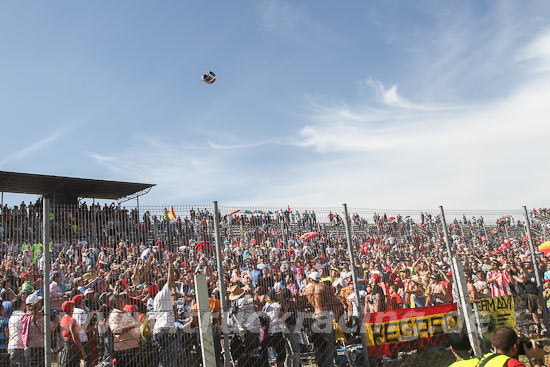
[[379, 104]]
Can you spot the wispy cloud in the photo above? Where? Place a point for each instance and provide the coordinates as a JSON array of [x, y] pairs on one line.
[[293, 22], [181, 172], [464, 126], [416, 154], [33, 148], [391, 98], [536, 55], [236, 146]]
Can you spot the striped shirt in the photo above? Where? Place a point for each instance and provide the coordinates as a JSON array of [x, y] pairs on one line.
[[501, 286]]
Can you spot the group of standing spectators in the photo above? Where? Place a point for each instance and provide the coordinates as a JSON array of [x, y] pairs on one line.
[[122, 284]]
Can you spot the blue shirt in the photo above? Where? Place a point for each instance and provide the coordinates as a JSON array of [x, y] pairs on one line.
[[3, 329], [8, 309], [255, 275]]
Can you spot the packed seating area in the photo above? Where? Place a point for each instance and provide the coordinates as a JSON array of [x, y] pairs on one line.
[[122, 281]]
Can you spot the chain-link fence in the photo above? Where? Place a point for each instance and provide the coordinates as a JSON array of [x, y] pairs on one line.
[[126, 284]]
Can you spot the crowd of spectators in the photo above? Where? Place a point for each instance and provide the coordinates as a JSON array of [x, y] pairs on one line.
[[122, 286]]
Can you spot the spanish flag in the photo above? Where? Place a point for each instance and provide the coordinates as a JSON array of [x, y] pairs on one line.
[[171, 214]]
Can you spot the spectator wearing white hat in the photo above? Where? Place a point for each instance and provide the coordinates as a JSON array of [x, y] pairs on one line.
[[248, 324], [33, 331]]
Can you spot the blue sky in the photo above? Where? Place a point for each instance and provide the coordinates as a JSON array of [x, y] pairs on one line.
[[396, 104]]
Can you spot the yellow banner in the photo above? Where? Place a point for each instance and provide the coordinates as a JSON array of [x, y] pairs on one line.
[[496, 312], [411, 324]]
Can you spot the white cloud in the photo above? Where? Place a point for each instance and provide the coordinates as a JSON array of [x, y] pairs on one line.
[[292, 22], [431, 141], [181, 172], [388, 96], [411, 155], [33, 148], [391, 98], [536, 55]]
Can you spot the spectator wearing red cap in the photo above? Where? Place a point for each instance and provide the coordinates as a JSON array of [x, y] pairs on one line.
[[80, 315], [71, 337], [125, 330]]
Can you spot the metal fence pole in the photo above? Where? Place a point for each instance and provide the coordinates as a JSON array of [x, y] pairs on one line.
[[506, 231], [205, 321], [47, 306], [466, 306], [536, 267], [460, 284], [283, 233], [221, 285], [355, 286]]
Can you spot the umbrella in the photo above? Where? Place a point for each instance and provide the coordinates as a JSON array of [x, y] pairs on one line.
[[391, 219], [247, 212], [309, 235], [234, 211], [544, 246]]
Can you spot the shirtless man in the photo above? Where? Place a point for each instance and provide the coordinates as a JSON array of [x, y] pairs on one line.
[[320, 297]]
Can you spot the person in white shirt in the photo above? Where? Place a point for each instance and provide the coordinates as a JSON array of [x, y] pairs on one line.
[[482, 288], [16, 349], [277, 327], [56, 293], [125, 331], [80, 315], [246, 321], [164, 329]]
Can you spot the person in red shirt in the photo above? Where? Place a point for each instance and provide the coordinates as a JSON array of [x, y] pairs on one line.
[[395, 300], [499, 280]]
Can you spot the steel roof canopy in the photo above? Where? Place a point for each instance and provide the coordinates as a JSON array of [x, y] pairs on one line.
[[27, 183]]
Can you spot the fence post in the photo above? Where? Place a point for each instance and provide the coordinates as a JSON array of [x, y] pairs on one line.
[[47, 306], [459, 282], [466, 306], [221, 285], [283, 232], [478, 325], [205, 322], [536, 267], [356, 288]]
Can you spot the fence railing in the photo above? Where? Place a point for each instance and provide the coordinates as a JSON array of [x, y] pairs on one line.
[[290, 291]]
